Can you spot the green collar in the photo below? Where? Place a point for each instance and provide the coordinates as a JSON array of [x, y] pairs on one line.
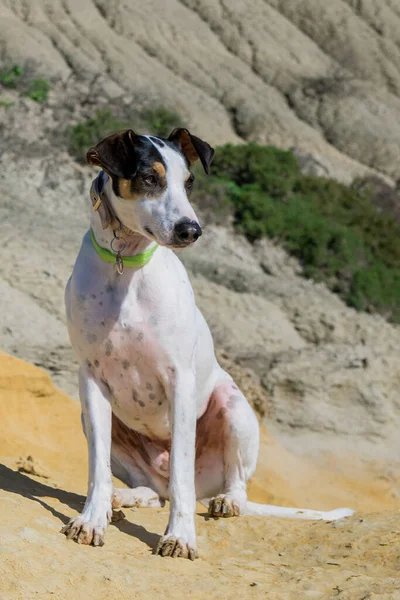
[[139, 260]]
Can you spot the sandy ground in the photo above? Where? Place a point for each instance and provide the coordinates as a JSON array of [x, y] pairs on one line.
[[357, 558]]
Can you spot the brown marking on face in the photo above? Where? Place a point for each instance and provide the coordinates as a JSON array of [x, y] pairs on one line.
[[149, 182], [159, 169], [125, 189]]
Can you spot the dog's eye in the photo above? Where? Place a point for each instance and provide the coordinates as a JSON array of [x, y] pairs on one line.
[[150, 180], [189, 182]]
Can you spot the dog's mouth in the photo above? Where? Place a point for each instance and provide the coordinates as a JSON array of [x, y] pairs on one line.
[[149, 231]]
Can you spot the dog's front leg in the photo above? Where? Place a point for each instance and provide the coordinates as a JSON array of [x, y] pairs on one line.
[[180, 536], [90, 526]]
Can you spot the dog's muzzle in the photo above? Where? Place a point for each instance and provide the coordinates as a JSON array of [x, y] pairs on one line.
[[186, 232]]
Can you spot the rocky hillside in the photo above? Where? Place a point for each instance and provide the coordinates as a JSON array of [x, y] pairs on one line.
[[323, 77]]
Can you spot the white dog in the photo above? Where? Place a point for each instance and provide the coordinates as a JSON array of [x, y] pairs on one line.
[[157, 409]]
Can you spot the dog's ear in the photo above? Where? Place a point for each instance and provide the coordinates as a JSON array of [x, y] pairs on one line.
[[115, 154], [192, 147]]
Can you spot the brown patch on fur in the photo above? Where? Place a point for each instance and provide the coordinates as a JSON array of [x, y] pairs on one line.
[[125, 189], [159, 169]]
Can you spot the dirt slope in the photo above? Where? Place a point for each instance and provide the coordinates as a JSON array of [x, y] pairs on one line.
[[246, 557]]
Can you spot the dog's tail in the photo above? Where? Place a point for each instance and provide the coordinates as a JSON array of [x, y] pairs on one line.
[[253, 509], [269, 510]]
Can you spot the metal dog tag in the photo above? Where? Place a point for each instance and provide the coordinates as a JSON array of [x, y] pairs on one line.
[[119, 263]]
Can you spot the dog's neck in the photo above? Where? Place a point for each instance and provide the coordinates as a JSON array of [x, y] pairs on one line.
[[136, 243]]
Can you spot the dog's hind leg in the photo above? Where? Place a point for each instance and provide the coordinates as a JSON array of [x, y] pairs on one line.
[[227, 450]]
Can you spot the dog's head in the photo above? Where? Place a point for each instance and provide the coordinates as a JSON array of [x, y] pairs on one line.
[[151, 181]]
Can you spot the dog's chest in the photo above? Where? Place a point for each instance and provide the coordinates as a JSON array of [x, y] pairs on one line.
[[131, 346]]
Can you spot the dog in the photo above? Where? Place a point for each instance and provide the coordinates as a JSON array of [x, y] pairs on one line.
[[158, 411]]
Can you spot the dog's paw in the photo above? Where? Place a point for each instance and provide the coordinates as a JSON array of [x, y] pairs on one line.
[[223, 506], [85, 532], [175, 547], [139, 497]]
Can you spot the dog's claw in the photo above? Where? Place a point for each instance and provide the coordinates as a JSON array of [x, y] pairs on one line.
[[117, 515], [223, 506], [175, 547], [85, 533]]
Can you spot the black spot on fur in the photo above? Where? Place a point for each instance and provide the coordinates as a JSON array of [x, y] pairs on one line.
[[96, 363], [109, 347], [140, 336], [221, 413], [93, 296], [91, 338], [149, 386], [125, 364], [152, 396], [141, 403]]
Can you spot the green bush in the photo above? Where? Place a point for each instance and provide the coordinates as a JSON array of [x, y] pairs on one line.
[[38, 90], [334, 230], [159, 121], [274, 171], [10, 77]]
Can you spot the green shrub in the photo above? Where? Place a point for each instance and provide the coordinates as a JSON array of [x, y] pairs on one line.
[[38, 90], [212, 198], [273, 170], [9, 77], [159, 121], [334, 230]]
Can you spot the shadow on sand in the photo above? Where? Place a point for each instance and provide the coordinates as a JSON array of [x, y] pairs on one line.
[[18, 483]]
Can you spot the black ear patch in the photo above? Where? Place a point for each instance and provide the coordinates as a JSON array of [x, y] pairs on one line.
[[116, 154], [193, 147]]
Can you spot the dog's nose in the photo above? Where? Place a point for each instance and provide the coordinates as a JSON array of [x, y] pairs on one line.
[[186, 231]]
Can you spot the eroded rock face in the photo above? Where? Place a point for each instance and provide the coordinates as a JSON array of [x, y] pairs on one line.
[[321, 77]]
